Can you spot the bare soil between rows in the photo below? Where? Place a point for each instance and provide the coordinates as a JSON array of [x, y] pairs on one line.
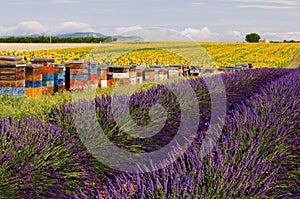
[[295, 62]]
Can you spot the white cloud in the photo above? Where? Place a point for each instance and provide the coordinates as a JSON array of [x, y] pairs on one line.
[[64, 1], [72, 26], [34, 27], [126, 30], [199, 34], [265, 6], [280, 36], [148, 33], [152, 33], [188, 34], [197, 4], [282, 2], [23, 28]]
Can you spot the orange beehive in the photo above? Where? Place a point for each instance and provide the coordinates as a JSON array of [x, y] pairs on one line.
[[47, 71], [48, 90], [34, 92]]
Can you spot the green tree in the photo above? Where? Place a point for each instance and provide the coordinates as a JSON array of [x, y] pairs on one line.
[[252, 37]]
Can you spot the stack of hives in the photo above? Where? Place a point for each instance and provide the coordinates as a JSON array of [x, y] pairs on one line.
[[160, 73], [209, 70], [163, 74], [12, 76], [93, 74], [139, 74], [102, 74], [76, 77], [123, 75], [34, 80], [149, 74], [182, 69], [173, 72], [194, 71], [133, 75], [48, 73], [59, 77]]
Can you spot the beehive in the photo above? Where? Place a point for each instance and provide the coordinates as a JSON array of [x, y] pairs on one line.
[[59, 77], [12, 78], [132, 75], [93, 74], [102, 75], [77, 75], [173, 72], [139, 74], [33, 80], [48, 73], [122, 74], [11, 59], [183, 69], [149, 75], [195, 71]]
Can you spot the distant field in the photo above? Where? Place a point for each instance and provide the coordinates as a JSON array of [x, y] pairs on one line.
[[205, 54], [30, 47]]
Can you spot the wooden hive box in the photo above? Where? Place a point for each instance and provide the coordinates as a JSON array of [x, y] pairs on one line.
[[76, 75], [173, 72], [33, 72], [11, 59], [48, 64], [139, 71], [120, 72], [12, 78], [34, 92], [59, 77], [12, 71], [59, 68], [93, 68], [47, 73], [12, 74], [149, 75], [102, 73], [78, 64]]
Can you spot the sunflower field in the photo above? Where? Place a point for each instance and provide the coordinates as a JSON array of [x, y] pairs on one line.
[[204, 54]]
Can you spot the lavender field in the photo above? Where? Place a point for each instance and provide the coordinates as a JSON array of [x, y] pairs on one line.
[[256, 155]]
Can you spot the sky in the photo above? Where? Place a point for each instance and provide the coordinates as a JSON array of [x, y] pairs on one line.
[[198, 20]]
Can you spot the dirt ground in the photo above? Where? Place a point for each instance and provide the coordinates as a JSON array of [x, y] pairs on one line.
[[296, 62], [29, 47]]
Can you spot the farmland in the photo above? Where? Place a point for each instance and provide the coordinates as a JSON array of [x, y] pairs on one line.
[[273, 55], [47, 149]]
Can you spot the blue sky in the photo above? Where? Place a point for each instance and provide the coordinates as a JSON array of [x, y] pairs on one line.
[[205, 20]]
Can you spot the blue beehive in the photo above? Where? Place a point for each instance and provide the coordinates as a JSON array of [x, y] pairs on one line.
[[12, 78]]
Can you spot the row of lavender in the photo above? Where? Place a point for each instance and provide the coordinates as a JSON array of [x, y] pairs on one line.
[[257, 155], [46, 159]]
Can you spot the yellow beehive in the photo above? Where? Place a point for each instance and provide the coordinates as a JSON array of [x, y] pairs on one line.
[[34, 92]]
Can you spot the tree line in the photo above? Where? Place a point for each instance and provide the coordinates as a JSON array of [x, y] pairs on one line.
[[254, 37], [54, 39]]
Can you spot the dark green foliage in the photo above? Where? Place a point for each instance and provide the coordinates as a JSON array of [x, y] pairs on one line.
[[252, 37]]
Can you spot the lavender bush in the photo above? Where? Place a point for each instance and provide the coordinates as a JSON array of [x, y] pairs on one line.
[[256, 156], [40, 160], [45, 159]]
